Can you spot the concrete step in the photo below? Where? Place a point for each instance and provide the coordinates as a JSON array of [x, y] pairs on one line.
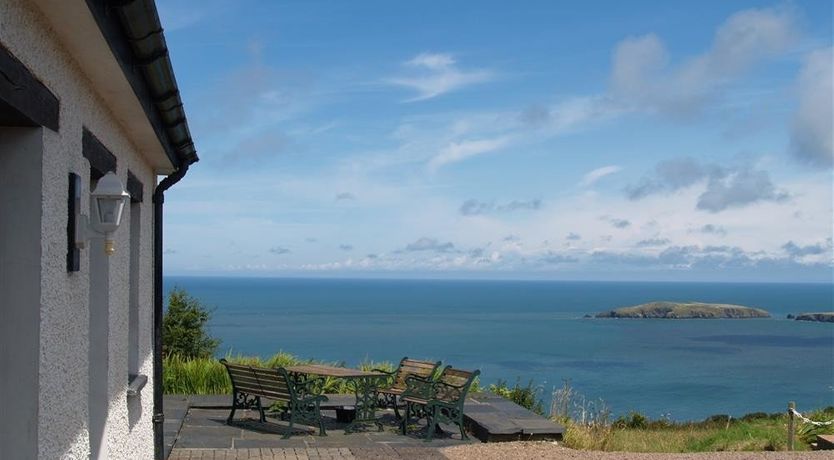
[[492, 418], [825, 442]]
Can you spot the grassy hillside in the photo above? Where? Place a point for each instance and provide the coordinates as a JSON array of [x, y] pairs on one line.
[[685, 310]]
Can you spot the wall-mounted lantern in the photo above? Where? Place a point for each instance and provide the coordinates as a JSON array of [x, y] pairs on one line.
[[107, 203]]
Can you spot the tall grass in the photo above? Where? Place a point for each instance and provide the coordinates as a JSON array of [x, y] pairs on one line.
[[200, 376], [588, 428], [207, 376]]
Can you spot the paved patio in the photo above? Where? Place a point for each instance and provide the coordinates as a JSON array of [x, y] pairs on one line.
[[196, 429]]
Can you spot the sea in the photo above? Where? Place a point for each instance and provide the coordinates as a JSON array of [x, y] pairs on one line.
[[536, 331]]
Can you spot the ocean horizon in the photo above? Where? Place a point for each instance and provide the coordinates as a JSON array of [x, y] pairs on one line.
[[534, 330]]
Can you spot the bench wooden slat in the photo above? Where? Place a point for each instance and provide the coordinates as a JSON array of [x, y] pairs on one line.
[[240, 380], [264, 376], [276, 396], [255, 387], [419, 364]]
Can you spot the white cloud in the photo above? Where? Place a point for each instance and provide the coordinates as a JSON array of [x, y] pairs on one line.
[[726, 187], [435, 74], [433, 61], [811, 133], [642, 77], [741, 187], [592, 177], [461, 150]]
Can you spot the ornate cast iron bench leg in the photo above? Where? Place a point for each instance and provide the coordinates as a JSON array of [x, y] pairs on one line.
[[404, 420], [244, 401], [366, 403]]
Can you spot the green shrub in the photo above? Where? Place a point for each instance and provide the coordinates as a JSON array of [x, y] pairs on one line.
[[760, 416], [634, 420], [184, 328], [718, 419], [525, 396]]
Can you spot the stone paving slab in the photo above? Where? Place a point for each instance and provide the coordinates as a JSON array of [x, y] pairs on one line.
[[207, 429]]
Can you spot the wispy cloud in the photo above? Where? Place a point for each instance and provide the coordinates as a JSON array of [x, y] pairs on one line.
[[712, 229], [430, 244], [592, 177], [474, 207], [461, 150], [619, 223], [652, 242], [345, 196], [434, 74], [279, 250], [555, 258]]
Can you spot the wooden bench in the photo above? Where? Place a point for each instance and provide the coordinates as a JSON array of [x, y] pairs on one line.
[[440, 401], [250, 384], [397, 386]]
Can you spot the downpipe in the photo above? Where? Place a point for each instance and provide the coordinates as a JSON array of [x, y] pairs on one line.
[[158, 200]]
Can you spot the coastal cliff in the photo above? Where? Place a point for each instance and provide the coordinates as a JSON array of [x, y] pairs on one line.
[[685, 310], [824, 317]]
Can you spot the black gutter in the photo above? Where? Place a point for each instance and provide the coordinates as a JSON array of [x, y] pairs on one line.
[[158, 417], [134, 34], [141, 26]]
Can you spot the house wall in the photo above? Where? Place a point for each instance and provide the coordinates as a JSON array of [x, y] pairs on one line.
[[64, 298], [20, 265]]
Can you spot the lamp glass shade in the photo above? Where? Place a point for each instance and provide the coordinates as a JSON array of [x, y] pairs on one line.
[[110, 212], [107, 202]]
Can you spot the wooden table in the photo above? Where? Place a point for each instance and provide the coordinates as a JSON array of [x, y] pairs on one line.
[[364, 386]]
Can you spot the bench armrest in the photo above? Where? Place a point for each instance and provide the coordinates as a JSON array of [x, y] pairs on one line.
[[448, 393], [383, 371], [419, 387]]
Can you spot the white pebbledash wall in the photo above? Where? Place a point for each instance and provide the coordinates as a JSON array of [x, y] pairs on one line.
[[64, 300]]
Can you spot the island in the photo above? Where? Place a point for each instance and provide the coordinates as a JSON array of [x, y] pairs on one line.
[[685, 310], [823, 317]]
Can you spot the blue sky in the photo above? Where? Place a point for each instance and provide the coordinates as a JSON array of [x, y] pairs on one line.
[[541, 140]]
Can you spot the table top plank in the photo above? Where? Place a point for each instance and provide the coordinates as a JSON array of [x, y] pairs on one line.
[[331, 371]]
